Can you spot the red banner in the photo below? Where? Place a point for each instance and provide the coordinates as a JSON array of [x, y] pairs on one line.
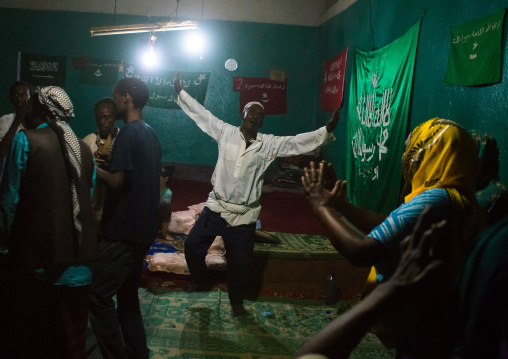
[[332, 87], [271, 93]]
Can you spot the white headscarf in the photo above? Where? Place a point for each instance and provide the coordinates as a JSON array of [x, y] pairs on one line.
[[61, 110], [253, 103]]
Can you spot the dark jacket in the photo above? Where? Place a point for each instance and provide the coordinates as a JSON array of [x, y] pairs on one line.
[[42, 232]]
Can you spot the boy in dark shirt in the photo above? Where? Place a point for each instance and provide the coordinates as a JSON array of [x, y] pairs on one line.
[[128, 227]]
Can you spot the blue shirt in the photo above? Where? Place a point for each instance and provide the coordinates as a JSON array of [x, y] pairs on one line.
[[131, 213], [15, 168], [400, 223]]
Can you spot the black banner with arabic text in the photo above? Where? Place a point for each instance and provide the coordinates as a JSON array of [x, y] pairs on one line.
[[42, 70], [161, 87]]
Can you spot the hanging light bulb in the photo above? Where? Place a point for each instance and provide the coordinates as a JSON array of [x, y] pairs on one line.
[[194, 44], [150, 58]]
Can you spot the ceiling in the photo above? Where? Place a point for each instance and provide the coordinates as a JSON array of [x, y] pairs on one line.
[[287, 12]]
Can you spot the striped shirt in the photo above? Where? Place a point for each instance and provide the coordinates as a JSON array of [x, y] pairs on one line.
[[400, 223]]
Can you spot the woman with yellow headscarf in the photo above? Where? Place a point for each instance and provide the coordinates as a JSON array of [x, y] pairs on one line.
[[441, 164]]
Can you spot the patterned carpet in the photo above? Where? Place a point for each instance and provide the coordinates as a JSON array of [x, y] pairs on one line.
[[200, 325]]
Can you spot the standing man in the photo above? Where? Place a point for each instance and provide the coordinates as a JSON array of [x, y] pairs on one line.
[[46, 230], [12, 123], [233, 206], [101, 144], [128, 227]]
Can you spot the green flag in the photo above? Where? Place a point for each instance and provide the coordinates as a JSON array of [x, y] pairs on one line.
[[161, 88], [475, 52], [100, 72], [42, 70], [377, 120]]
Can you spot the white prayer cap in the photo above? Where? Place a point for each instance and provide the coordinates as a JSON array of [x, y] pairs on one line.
[[253, 103]]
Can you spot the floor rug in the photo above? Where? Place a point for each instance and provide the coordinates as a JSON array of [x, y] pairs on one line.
[[200, 325]]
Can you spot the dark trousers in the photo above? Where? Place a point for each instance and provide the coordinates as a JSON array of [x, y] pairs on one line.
[[120, 333], [42, 320], [239, 243]]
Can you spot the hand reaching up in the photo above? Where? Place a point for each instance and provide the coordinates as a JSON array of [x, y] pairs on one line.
[[330, 177], [176, 82], [332, 123], [315, 189]]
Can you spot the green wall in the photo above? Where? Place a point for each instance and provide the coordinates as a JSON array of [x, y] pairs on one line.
[[257, 47], [484, 108]]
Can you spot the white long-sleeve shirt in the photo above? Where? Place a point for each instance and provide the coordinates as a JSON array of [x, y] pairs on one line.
[[6, 123], [238, 176]]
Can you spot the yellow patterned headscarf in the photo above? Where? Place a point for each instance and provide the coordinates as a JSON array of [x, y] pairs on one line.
[[441, 154]]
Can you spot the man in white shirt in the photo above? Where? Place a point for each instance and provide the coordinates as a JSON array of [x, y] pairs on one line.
[[12, 123], [101, 144], [232, 207]]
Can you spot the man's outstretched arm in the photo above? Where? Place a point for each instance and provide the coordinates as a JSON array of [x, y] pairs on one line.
[[332, 123], [285, 146], [205, 120], [176, 83]]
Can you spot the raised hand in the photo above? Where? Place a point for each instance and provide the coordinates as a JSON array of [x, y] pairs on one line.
[[314, 187], [330, 177], [176, 82], [332, 123], [339, 195]]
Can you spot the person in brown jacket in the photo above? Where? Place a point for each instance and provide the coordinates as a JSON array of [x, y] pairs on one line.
[[46, 234]]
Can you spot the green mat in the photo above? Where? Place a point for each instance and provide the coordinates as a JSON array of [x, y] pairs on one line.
[[200, 325], [297, 246], [292, 246]]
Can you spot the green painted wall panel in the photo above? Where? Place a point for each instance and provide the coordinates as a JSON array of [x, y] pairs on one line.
[[257, 47]]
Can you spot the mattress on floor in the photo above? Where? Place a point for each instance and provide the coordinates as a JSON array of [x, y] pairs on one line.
[[297, 267]]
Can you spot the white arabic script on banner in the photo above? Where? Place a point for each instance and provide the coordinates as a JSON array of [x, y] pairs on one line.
[[371, 115]]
